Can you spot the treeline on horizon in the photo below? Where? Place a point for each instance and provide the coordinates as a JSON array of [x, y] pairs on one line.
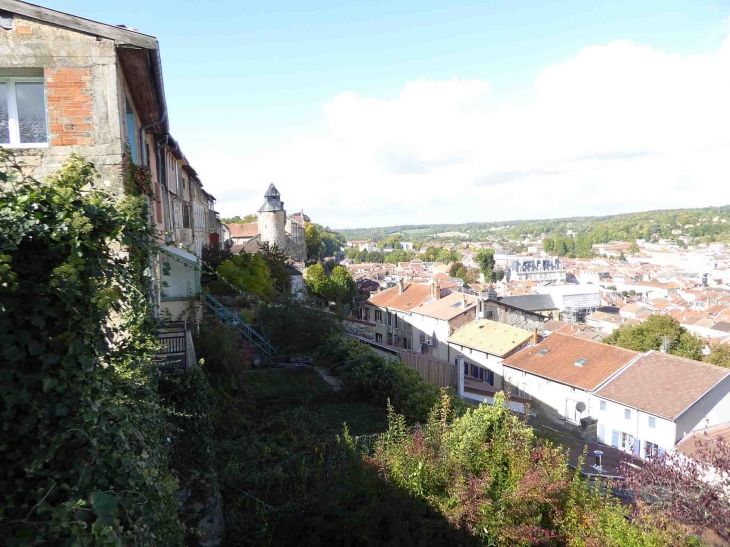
[[596, 229]]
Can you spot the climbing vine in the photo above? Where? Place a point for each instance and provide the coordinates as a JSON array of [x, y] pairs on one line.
[[84, 451]]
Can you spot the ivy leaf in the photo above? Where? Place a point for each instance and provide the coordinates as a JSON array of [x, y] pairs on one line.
[[105, 506]]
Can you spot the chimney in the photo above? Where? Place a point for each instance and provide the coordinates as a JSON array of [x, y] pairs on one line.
[[463, 300], [599, 463], [400, 285], [534, 338], [437, 290]]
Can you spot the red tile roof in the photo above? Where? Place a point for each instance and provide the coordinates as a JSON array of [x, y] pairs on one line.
[[563, 351], [414, 294], [244, 230], [662, 384]]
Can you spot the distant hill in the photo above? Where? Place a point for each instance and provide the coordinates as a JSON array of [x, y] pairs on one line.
[[698, 225]]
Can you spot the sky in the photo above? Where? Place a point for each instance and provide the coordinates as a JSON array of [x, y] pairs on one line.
[[402, 112]]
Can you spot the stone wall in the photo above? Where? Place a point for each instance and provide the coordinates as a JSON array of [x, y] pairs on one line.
[[84, 88]]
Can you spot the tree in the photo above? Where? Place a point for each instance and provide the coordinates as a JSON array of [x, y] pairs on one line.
[[375, 256], [362, 256], [248, 273], [455, 268], [656, 331], [471, 276], [444, 255], [497, 275], [313, 240], [238, 220], [277, 262], [431, 254], [342, 288], [213, 255], [622, 257], [691, 490], [719, 355], [317, 281], [485, 259], [633, 248], [548, 245]]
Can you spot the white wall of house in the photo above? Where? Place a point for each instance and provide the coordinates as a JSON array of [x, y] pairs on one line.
[[551, 400], [612, 423], [481, 359], [712, 409], [435, 329]]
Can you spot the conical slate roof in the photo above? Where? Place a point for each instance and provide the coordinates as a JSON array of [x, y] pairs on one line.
[[273, 200]]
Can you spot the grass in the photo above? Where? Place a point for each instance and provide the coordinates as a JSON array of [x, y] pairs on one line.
[[301, 383]]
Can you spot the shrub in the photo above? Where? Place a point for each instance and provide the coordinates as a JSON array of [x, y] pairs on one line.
[[290, 326], [487, 473], [378, 378], [86, 460]]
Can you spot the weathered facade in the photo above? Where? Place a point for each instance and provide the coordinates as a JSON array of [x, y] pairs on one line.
[[69, 85]]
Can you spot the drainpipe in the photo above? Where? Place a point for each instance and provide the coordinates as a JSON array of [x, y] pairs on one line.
[[144, 128]]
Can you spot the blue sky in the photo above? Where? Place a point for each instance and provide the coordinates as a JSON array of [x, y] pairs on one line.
[[255, 86]]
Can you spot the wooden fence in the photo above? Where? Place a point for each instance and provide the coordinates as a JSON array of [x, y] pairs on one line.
[[439, 373]]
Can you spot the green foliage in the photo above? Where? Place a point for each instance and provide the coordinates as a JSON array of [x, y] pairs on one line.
[[238, 220], [399, 256], [88, 458], [321, 241], [213, 256], [719, 355], [248, 273], [378, 378], [290, 326], [317, 281], [486, 472], [342, 286], [655, 331], [217, 344], [277, 262], [191, 405]]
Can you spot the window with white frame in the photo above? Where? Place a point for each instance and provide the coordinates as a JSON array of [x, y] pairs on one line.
[[627, 413], [23, 121], [603, 405], [652, 421]]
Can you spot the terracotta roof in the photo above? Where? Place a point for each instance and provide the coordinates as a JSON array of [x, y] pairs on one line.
[[553, 325], [688, 447], [662, 384], [414, 294], [447, 307], [490, 336], [244, 230], [563, 352]]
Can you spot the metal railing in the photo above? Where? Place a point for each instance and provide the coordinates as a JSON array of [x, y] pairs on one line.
[[173, 353], [231, 318]]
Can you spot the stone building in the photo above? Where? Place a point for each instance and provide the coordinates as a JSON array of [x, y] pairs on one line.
[[69, 85], [273, 227]]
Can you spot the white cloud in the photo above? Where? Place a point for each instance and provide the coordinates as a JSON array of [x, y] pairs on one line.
[[619, 127]]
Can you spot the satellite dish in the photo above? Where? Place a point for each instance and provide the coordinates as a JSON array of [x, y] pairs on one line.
[[580, 407]]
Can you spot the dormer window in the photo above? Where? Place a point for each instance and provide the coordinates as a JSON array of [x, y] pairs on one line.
[[580, 362]]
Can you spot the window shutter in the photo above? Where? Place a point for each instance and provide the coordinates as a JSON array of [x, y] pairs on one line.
[[637, 447], [614, 438], [660, 451], [601, 433]]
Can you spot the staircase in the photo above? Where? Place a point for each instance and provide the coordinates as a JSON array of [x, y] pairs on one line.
[[257, 342]]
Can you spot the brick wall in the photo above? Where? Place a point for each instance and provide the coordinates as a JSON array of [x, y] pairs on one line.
[[68, 92]]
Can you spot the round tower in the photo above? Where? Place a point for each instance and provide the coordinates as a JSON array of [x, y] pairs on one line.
[[272, 219]]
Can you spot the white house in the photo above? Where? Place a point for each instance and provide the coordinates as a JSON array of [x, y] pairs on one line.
[[659, 400], [483, 345], [562, 373], [435, 320]]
